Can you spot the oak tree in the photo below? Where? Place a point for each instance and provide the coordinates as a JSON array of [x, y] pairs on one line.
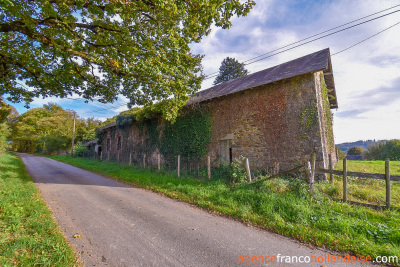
[[99, 49]]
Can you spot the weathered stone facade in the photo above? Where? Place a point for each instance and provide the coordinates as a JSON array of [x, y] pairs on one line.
[[277, 125], [268, 124]]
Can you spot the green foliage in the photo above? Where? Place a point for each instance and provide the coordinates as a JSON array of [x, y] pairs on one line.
[[355, 151], [189, 136], [341, 154], [327, 113], [126, 118], [145, 54], [308, 118], [230, 69], [29, 235], [281, 205], [384, 150], [48, 129], [238, 172], [5, 110], [79, 150], [4, 134]]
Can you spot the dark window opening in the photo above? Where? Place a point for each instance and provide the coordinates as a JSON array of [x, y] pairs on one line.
[[108, 144], [119, 142]]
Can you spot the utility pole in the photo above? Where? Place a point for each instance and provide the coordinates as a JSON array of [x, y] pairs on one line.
[[73, 135]]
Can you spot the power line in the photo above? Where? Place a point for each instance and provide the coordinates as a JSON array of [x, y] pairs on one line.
[[214, 74], [366, 39], [324, 32], [106, 108], [252, 60]]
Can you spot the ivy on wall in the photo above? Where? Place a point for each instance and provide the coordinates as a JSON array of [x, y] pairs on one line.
[[188, 136], [308, 118], [327, 113]]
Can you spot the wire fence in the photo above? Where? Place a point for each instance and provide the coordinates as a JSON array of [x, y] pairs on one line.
[[178, 165], [204, 168], [200, 168]]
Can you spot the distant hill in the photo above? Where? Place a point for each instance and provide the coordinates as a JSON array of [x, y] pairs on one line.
[[363, 144]]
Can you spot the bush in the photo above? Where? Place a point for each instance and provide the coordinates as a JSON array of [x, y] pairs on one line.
[[341, 154], [355, 151], [79, 150]]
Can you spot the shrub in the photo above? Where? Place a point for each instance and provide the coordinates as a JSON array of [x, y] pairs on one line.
[[79, 150], [355, 151]]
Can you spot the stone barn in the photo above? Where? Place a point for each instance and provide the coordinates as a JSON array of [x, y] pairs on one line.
[[275, 117]]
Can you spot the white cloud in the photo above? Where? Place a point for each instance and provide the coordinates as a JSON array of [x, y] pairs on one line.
[[365, 76], [369, 71]]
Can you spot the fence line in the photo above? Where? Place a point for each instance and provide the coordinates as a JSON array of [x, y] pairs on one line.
[[387, 177], [203, 168], [178, 164]]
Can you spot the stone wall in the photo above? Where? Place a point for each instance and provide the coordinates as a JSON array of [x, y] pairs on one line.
[[277, 126]]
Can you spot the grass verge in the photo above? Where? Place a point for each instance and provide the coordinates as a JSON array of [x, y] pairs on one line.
[[282, 205], [29, 236]]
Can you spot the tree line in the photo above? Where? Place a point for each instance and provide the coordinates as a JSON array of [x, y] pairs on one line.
[[44, 130], [379, 151]]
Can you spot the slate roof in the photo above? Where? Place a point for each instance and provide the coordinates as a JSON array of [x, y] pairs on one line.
[[318, 61], [112, 124]]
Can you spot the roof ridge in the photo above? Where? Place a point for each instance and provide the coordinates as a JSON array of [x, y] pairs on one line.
[[318, 60]]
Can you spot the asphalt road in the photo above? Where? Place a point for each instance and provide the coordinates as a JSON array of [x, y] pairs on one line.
[[119, 225]]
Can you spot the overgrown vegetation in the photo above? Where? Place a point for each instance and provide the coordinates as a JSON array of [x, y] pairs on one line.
[[188, 136], [327, 113], [282, 205], [29, 236]]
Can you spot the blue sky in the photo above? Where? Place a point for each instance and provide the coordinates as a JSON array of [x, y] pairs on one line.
[[367, 76]]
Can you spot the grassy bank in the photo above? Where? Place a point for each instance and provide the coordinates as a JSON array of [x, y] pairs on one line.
[[281, 205], [28, 233], [369, 191]]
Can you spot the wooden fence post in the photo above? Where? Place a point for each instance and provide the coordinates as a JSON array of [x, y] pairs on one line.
[[331, 177], [179, 166], [345, 180], [130, 159], [159, 161], [118, 157], [101, 155], [108, 156], [144, 161], [388, 185], [248, 169], [209, 167], [313, 159], [311, 172]]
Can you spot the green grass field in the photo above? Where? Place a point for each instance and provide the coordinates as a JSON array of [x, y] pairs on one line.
[[369, 191], [281, 205], [375, 166], [29, 236]]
